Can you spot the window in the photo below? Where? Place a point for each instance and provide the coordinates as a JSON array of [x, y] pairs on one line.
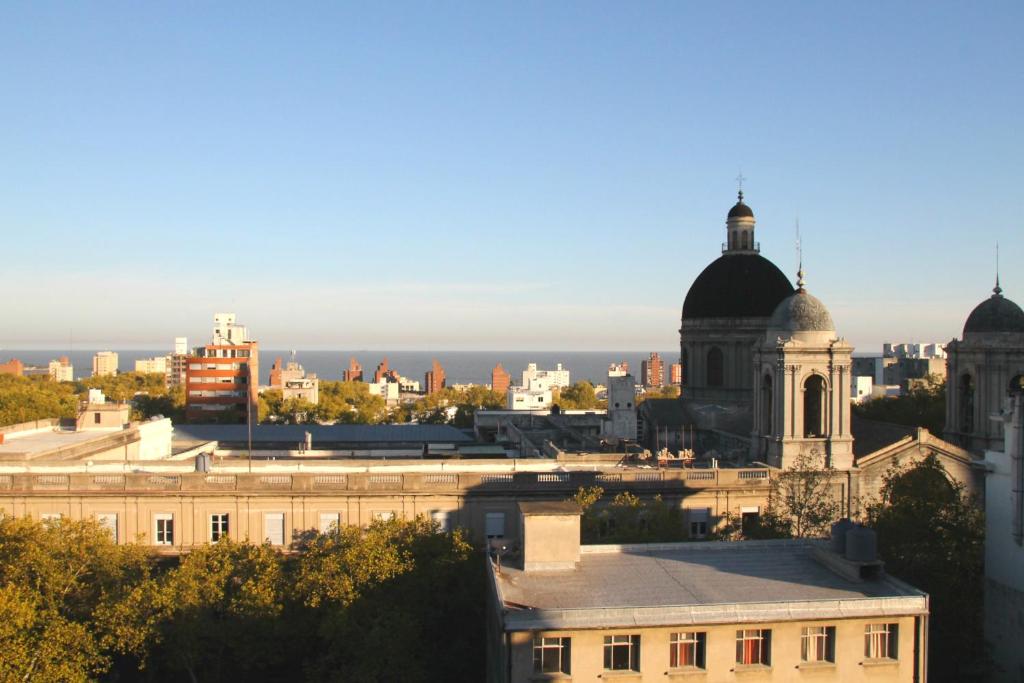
[[273, 528], [164, 523], [552, 655], [754, 646], [686, 649], [443, 519], [108, 520], [218, 526], [329, 521], [50, 517], [384, 515], [818, 644], [880, 641], [698, 522], [814, 406], [96, 419], [715, 369], [622, 653], [494, 525]]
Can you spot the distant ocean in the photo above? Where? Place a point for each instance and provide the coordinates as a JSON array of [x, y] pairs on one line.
[[461, 367]]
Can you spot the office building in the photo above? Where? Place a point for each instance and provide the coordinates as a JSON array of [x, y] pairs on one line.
[[782, 610], [652, 371], [61, 370], [434, 380], [104, 363], [500, 379], [223, 375]]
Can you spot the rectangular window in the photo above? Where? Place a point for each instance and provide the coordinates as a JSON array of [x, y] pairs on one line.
[[218, 526], [96, 418], [754, 646], [384, 515], [622, 653], [817, 644], [329, 521], [50, 517], [164, 532], [686, 649], [494, 525], [273, 528], [108, 520], [880, 641], [442, 518], [698, 522], [552, 655]]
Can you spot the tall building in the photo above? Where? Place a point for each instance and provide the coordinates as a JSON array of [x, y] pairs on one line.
[[675, 374], [177, 363], [500, 379], [535, 379], [382, 371], [104, 363], [12, 367], [293, 382], [433, 380], [157, 364], [354, 373], [224, 374], [61, 370], [652, 371]]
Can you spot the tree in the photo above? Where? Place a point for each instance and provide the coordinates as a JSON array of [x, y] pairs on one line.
[[932, 535], [669, 391], [579, 396], [924, 405], [23, 399], [627, 519]]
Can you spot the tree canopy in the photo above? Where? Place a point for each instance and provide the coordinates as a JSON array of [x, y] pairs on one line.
[[579, 396], [924, 405], [627, 518]]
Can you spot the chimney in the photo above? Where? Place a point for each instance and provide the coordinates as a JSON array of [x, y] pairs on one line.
[[551, 535]]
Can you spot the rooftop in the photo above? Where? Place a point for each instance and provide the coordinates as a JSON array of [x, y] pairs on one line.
[[323, 434], [38, 441], [699, 583]]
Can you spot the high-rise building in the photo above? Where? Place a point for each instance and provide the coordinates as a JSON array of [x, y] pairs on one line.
[[381, 372], [61, 370], [433, 380], [652, 371], [354, 372], [12, 367], [157, 364], [104, 363], [177, 363], [675, 374], [500, 379], [223, 375]]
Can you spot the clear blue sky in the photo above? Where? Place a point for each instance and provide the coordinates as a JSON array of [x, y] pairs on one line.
[[545, 175]]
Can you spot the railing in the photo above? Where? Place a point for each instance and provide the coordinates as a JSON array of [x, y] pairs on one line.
[[455, 482]]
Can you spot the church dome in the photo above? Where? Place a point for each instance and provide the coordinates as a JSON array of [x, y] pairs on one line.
[[995, 314], [738, 285], [740, 210], [802, 312]]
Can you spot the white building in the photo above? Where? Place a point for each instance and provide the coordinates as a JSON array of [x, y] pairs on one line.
[[541, 380], [181, 346], [61, 370], [1004, 546], [913, 350], [226, 331], [521, 398], [389, 391], [860, 388], [104, 363], [409, 385], [155, 364]]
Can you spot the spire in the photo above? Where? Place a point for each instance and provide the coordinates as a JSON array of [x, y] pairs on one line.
[[997, 290], [800, 282]]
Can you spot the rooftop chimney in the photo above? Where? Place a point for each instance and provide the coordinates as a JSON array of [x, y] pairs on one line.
[[551, 535]]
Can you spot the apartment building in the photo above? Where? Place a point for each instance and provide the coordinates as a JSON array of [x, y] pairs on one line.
[[61, 370], [354, 372], [652, 371], [535, 379], [675, 374], [104, 363], [177, 363], [500, 379], [157, 364], [434, 379], [785, 610], [223, 375]]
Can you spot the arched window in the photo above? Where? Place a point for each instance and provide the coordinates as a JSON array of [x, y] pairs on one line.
[[732, 242], [814, 406], [715, 367], [767, 427], [744, 240], [966, 404]]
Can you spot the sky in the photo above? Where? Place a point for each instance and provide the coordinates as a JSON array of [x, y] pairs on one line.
[[514, 176]]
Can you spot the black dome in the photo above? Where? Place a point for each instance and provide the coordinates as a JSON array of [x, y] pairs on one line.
[[995, 314], [737, 286], [740, 210]]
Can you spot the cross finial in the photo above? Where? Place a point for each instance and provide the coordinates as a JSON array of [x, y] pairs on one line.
[[997, 289], [739, 184]]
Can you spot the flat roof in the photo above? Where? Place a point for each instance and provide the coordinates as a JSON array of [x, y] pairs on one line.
[[695, 583], [42, 440], [549, 507], [343, 433]]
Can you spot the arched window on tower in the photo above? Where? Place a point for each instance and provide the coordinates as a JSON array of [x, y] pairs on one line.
[[814, 406], [966, 404], [744, 240], [715, 367], [767, 427]]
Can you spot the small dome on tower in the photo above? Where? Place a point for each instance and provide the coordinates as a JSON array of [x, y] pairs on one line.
[[802, 312], [995, 314], [740, 210]]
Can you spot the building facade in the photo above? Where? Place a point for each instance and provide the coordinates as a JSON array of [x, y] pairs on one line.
[[434, 379], [540, 380], [652, 371], [61, 370], [157, 364], [223, 375], [354, 371], [104, 363], [500, 379]]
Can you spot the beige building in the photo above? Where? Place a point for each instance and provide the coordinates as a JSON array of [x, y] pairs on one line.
[[104, 363], [61, 370], [789, 610], [157, 364]]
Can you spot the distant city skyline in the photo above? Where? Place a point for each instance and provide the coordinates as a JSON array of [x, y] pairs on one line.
[[530, 177]]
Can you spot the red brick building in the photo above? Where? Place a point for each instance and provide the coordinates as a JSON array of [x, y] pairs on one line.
[[500, 379], [12, 367], [220, 377], [652, 371], [354, 372], [434, 380]]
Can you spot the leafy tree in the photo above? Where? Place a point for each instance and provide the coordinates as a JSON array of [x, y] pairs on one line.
[[627, 519], [924, 405], [932, 535], [669, 391], [125, 386], [23, 399], [579, 396]]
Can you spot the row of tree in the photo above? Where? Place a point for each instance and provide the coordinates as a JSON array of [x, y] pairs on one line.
[[397, 601]]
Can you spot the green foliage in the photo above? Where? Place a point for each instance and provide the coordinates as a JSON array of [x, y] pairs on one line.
[[396, 601], [350, 403], [932, 535], [670, 391], [627, 519], [124, 386], [923, 406], [23, 399], [579, 396]]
